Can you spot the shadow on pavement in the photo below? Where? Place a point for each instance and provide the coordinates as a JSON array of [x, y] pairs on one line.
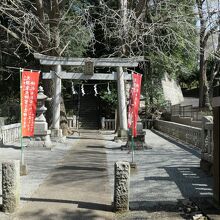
[[89, 138], [114, 148], [189, 180], [81, 168], [153, 206], [11, 146], [40, 214], [102, 146], [81, 204], [95, 146]]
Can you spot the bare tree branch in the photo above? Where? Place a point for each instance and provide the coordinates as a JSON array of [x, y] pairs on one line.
[[28, 46]]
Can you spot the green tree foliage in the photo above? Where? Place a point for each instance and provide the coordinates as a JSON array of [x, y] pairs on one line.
[[173, 46], [109, 102], [50, 27], [164, 32]]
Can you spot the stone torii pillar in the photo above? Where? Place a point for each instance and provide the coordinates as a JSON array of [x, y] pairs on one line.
[[122, 106], [56, 131], [88, 74]]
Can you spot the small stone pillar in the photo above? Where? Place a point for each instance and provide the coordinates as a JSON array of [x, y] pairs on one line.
[[205, 120], [121, 187], [206, 156], [10, 186], [102, 123]]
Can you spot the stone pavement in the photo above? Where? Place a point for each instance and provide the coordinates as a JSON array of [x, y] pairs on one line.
[[166, 174], [75, 188], [75, 180], [40, 163]]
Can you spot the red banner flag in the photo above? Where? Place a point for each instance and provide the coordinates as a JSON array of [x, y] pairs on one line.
[[130, 108], [29, 101], [134, 103]]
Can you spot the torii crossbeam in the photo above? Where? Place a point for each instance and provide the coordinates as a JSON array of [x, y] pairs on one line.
[[89, 64]]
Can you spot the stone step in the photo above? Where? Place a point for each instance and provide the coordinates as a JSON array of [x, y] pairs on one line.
[[88, 113], [88, 126], [88, 121]]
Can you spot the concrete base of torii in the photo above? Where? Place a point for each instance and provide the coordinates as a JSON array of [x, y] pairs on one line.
[[41, 142], [56, 133]]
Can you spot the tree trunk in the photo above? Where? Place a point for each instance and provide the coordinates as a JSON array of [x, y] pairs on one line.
[[204, 101], [63, 119], [215, 69], [124, 8], [48, 86], [55, 33]]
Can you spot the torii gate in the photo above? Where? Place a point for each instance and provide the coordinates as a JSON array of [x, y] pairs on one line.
[[89, 64]]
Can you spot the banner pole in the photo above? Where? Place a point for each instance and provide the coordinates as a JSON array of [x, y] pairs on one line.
[[21, 108], [132, 146], [132, 138]]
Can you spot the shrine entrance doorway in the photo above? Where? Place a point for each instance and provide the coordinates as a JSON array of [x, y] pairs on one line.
[[83, 110], [87, 108]]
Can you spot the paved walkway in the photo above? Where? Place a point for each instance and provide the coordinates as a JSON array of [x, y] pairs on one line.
[[75, 180], [166, 174]]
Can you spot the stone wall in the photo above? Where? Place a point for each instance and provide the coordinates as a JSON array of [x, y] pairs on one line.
[[172, 91]]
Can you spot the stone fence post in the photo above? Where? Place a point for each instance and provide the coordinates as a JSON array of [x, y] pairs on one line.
[[102, 123], [10, 186], [121, 187], [206, 161], [205, 120]]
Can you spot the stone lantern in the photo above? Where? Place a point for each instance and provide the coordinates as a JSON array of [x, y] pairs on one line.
[[41, 132]]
